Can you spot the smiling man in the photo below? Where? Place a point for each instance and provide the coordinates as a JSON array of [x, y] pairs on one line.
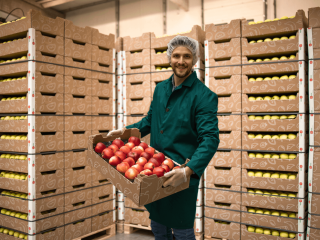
[[183, 123]]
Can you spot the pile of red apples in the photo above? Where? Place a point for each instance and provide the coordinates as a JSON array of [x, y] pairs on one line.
[[135, 157]]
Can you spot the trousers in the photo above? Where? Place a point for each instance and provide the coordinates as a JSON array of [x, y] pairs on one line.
[[162, 232]]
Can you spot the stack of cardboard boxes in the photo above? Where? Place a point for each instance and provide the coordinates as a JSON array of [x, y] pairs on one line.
[[268, 175], [49, 108], [313, 231]]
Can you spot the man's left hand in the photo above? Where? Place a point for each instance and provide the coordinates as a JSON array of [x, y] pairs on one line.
[[177, 176]]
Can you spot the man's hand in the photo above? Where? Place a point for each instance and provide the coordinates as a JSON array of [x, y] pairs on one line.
[[177, 176], [116, 132]]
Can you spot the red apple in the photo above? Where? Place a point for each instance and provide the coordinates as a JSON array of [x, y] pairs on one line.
[[168, 162], [121, 155], [134, 155], [165, 167], [118, 142], [149, 165], [146, 172], [99, 147], [131, 173], [146, 155], [154, 161], [176, 167], [107, 153], [130, 161], [114, 160], [130, 145], [142, 161], [144, 145], [159, 171], [138, 167], [150, 150], [123, 167], [159, 156], [125, 149], [114, 147], [134, 140], [138, 150]]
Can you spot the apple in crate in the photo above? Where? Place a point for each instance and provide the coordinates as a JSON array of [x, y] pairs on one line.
[[125, 149], [150, 150], [146, 172], [107, 153], [131, 173], [154, 161], [149, 165], [160, 157], [114, 147], [159, 171], [114, 161], [169, 163], [144, 145], [130, 161], [99, 147], [142, 161], [134, 140], [133, 155], [165, 167], [130, 145], [138, 167], [118, 143], [123, 167], [121, 155], [146, 155], [138, 150]]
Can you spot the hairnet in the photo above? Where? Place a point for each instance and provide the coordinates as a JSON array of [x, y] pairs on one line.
[[183, 41]]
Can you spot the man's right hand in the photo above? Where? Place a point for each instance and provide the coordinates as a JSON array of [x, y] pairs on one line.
[[116, 132]]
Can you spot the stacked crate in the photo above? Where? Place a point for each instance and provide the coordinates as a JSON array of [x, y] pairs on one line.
[[313, 231], [223, 174]]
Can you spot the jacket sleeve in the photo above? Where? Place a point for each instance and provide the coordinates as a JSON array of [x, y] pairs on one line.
[[208, 134]]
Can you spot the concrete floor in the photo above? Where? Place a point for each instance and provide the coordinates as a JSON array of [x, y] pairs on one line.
[[138, 235]]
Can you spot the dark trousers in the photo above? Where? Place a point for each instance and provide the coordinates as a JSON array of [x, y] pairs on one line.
[[162, 232]]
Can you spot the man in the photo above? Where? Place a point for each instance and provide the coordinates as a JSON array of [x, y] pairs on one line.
[[183, 124]]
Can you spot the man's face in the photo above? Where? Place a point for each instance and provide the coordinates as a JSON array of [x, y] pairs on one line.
[[181, 61]]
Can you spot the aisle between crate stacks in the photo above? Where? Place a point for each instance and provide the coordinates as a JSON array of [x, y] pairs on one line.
[[100, 234]]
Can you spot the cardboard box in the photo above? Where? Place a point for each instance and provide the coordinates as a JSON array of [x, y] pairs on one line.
[[314, 207], [273, 86], [138, 90], [230, 140], [98, 179], [78, 193], [136, 59], [270, 144], [103, 40], [75, 212], [102, 207], [44, 142], [102, 76], [229, 158], [119, 44], [223, 31], [314, 221], [130, 204], [228, 194], [75, 158], [74, 103], [196, 33], [229, 122], [316, 78], [102, 105], [316, 160], [314, 20], [79, 34], [223, 176], [76, 139], [103, 220], [34, 19], [77, 122], [222, 62], [316, 98], [229, 212], [137, 105], [313, 234], [137, 217], [272, 125], [77, 72], [214, 229], [52, 234], [225, 85], [273, 27], [290, 105], [141, 184], [77, 175], [229, 103], [77, 63], [102, 55], [271, 164], [223, 72], [102, 193], [137, 43], [78, 86], [252, 235], [103, 122], [101, 67], [101, 88], [315, 182], [77, 229], [224, 49]]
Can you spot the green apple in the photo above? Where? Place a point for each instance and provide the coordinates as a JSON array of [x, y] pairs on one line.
[[267, 155], [252, 155], [259, 230], [283, 136], [251, 61], [252, 79], [259, 79], [275, 59], [266, 59], [292, 156], [258, 174], [252, 98], [258, 118], [259, 155], [284, 176], [251, 174], [251, 135], [292, 215], [284, 77], [292, 97], [16, 234], [252, 210], [267, 98], [3, 211], [266, 137], [284, 234], [267, 79], [259, 136], [275, 97], [283, 117], [275, 175], [292, 176], [275, 213], [260, 40], [8, 212], [266, 117], [266, 175], [292, 136], [158, 68], [11, 232], [251, 117], [259, 60], [266, 212], [251, 229], [267, 232], [259, 98], [292, 57], [268, 40], [253, 41], [283, 58], [259, 211], [276, 39], [283, 97]]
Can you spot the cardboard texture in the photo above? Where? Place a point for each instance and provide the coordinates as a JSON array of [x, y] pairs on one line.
[[226, 159], [214, 194], [101, 67], [271, 164], [316, 98], [270, 144], [196, 33], [142, 77], [229, 122], [36, 20], [314, 19], [314, 234], [225, 49], [75, 213], [43, 83], [262, 201], [316, 78], [103, 220], [103, 40], [77, 122], [136, 59], [224, 31], [223, 72], [290, 105], [45, 142], [102, 88], [102, 193], [143, 187], [315, 182], [225, 85], [314, 221], [137, 106], [230, 140], [76, 139], [233, 60], [75, 195], [138, 90], [273, 27], [98, 179], [137, 43], [130, 204], [273, 86], [102, 55], [221, 231], [272, 125], [137, 216], [314, 208], [77, 72], [317, 138], [229, 103], [79, 34], [102, 76], [216, 175], [228, 213], [78, 86], [102, 207], [75, 158], [74, 103], [77, 175], [102, 105], [77, 229], [52, 234], [119, 44], [77, 63], [102, 122], [316, 162], [42, 124]]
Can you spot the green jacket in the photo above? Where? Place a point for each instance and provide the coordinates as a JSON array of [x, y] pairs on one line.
[[183, 124]]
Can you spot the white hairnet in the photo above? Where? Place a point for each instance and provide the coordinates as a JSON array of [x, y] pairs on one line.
[[183, 41]]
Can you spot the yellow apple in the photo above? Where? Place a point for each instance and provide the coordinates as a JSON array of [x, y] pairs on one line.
[[252, 79], [267, 40], [267, 155], [274, 194], [253, 41], [266, 193], [251, 174], [259, 155], [259, 136], [252, 98], [259, 79], [266, 175], [259, 22], [283, 97], [259, 98], [266, 117], [251, 61], [284, 77], [169, 68], [16, 234], [258, 118], [283, 214], [284, 176], [251, 23], [284, 234], [292, 136], [284, 156], [283, 195], [267, 232], [292, 76], [251, 210], [283, 58], [292, 116], [292, 156], [275, 213], [284, 38], [292, 97], [259, 211], [276, 39], [22, 236], [292, 37], [3, 211], [292, 57], [292, 195], [258, 191], [266, 212], [275, 97], [283, 136], [275, 117], [260, 40], [259, 230], [275, 175], [250, 192], [158, 68], [258, 60], [283, 117], [267, 98], [267, 20], [292, 215], [251, 117], [267, 79], [251, 135], [266, 137], [251, 229], [11, 232], [258, 174], [163, 69], [252, 155], [292, 235], [292, 176], [275, 59]]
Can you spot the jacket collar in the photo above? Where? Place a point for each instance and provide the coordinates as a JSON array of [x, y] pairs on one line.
[[188, 82]]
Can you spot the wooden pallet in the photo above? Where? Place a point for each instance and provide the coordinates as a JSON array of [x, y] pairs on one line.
[[119, 224], [131, 228], [100, 234], [212, 238], [199, 236]]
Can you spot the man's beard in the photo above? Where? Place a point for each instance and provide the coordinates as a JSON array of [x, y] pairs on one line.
[[183, 74]]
